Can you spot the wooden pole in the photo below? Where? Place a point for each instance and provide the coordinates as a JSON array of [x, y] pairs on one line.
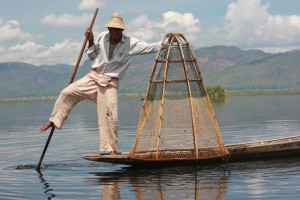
[[82, 48], [71, 81]]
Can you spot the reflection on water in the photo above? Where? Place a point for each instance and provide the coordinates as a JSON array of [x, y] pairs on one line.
[[46, 186], [188, 182], [65, 175], [197, 182]]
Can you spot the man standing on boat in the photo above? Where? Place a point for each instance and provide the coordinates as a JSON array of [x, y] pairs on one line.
[[110, 54]]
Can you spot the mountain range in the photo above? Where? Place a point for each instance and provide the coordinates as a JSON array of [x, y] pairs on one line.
[[228, 66]]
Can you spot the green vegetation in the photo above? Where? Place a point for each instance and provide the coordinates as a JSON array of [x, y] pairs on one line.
[[216, 93]]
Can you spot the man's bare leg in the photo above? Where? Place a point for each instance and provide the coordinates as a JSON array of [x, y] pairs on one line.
[[47, 125]]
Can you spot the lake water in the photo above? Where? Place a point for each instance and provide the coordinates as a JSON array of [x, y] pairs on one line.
[[65, 175]]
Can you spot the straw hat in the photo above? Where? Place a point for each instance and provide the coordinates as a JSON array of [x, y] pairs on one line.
[[116, 21]]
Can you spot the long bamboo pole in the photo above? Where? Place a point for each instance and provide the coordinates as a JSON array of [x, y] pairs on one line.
[[71, 81]]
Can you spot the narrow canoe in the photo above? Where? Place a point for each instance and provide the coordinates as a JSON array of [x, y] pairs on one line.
[[258, 150]]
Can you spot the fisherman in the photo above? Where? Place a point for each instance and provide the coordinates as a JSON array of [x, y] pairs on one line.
[[110, 54]]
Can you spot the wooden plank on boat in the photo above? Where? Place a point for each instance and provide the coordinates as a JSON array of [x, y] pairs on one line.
[[118, 159], [278, 148]]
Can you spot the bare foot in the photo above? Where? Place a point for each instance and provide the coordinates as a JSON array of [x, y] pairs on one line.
[[46, 126]]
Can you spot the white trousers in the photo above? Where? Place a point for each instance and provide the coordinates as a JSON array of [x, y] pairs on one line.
[[105, 95]]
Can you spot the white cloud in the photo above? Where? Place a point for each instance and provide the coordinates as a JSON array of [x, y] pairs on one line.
[[171, 22], [28, 46], [175, 18], [245, 18], [139, 22], [248, 24], [30, 52], [22, 52], [66, 20], [11, 30], [65, 52], [91, 4]]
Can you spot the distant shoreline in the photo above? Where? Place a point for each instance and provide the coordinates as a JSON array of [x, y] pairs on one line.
[[228, 93], [27, 99], [263, 92]]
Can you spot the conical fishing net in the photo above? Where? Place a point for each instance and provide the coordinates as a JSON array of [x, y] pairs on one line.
[[177, 120]]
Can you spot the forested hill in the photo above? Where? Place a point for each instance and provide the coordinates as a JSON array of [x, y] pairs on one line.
[[229, 66]]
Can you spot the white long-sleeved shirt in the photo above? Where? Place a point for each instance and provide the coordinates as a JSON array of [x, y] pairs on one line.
[[117, 66]]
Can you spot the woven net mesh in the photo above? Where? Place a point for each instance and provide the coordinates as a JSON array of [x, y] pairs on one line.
[[177, 120]]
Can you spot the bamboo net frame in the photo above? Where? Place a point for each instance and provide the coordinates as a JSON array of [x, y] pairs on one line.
[[177, 121]]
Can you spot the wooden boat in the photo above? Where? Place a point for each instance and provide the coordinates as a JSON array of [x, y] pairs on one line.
[[258, 150]]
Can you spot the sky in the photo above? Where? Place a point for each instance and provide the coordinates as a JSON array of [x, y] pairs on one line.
[[48, 32]]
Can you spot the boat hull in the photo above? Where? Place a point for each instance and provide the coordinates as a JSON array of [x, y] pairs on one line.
[[268, 149], [259, 150]]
